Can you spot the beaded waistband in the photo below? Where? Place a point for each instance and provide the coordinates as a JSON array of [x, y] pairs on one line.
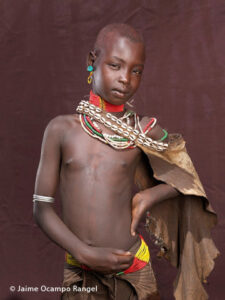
[[141, 258]]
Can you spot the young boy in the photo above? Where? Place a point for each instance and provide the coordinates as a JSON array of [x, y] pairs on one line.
[[94, 156]]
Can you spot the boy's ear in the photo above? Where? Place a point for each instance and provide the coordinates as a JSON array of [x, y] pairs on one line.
[[91, 58]]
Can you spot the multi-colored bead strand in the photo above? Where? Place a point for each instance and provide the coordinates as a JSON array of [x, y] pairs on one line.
[[151, 125], [115, 141]]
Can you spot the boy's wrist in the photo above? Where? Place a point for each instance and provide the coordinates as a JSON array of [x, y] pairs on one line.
[[84, 254], [79, 252], [147, 198], [157, 194]]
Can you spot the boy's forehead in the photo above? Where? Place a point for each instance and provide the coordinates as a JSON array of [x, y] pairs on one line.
[[111, 39], [115, 42]]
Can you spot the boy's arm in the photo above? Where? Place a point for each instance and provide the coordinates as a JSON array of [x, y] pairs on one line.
[[100, 259], [46, 183], [144, 200]]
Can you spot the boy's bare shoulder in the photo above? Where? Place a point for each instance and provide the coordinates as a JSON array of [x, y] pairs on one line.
[[59, 124], [156, 133]]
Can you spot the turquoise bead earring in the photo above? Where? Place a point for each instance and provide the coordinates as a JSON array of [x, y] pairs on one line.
[[90, 69]]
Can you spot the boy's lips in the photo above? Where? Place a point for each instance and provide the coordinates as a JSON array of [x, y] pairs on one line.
[[120, 93]]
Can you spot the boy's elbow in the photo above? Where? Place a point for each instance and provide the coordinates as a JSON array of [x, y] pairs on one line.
[[39, 211], [36, 213]]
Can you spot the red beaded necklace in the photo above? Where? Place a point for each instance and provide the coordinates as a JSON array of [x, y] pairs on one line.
[[104, 105]]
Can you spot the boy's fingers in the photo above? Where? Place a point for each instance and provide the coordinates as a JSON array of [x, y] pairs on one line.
[[124, 266], [134, 226], [125, 260], [121, 252]]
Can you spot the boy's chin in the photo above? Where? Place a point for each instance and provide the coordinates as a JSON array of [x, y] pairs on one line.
[[117, 101]]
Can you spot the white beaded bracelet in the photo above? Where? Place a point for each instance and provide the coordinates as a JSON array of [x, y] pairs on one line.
[[43, 198]]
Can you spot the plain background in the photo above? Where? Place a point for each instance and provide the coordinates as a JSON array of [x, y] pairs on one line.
[[43, 49]]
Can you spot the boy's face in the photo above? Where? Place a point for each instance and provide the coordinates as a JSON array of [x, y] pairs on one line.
[[118, 69]]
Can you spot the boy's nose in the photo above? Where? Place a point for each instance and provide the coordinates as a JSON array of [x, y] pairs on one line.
[[124, 78]]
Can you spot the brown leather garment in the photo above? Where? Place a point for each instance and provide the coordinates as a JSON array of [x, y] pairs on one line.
[[182, 225]]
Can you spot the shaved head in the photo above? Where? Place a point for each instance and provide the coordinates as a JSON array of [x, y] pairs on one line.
[[116, 29]]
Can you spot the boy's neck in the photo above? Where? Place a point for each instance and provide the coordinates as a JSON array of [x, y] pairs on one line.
[[104, 105]]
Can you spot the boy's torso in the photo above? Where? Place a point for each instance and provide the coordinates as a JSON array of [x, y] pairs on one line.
[[96, 184]]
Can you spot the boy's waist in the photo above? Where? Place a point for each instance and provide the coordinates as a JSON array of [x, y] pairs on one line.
[[141, 258]]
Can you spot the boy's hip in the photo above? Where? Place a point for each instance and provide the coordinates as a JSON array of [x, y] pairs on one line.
[[139, 276], [140, 251]]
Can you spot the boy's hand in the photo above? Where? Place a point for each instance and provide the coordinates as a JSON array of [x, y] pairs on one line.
[[107, 260], [139, 208], [145, 199]]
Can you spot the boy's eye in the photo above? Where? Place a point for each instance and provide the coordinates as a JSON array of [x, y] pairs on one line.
[[137, 72], [114, 66]]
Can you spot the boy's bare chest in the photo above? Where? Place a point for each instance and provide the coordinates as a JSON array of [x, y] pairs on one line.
[[80, 151]]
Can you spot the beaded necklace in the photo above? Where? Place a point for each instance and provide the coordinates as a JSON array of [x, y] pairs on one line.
[[126, 137], [92, 128], [115, 141], [104, 105]]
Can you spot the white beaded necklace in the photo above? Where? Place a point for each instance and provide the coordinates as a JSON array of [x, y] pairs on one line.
[[130, 137]]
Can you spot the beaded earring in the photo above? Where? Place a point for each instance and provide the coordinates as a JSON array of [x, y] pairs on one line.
[[90, 69]]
